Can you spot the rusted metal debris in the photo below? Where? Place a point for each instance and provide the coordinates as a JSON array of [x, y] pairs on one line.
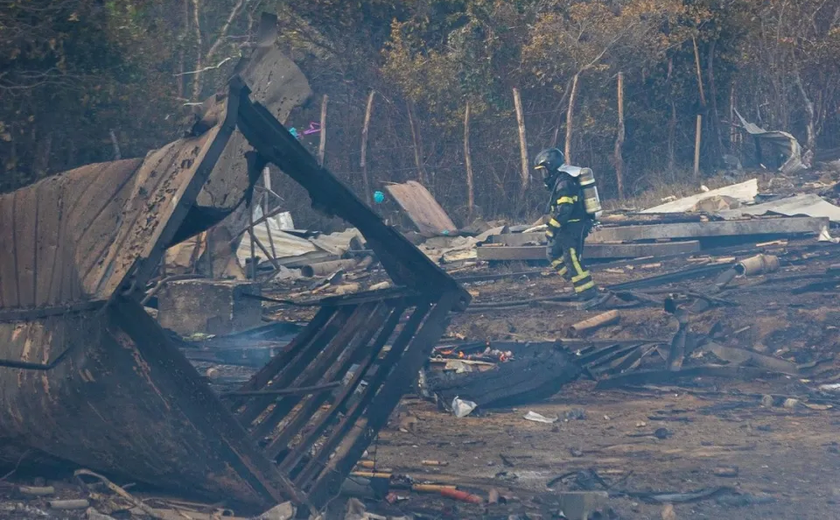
[[90, 378]]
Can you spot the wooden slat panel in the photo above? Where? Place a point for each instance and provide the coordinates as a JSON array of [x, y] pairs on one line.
[[320, 426], [295, 364], [8, 261], [391, 386], [316, 464], [25, 238], [335, 372], [302, 370], [49, 195]]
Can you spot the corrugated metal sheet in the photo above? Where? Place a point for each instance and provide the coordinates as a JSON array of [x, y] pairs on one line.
[[422, 208], [806, 204], [743, 192], [781, 142]]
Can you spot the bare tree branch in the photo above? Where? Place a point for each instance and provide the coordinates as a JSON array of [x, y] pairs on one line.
[[198, 61], [237, 9]]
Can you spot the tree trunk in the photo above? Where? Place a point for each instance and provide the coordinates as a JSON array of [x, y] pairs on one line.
[[713, 93], [196, 90], [365, 129], [697, 137], [699, 72], [43, 151], [182, 43], [523, 143], [672, 136], [733, 130], [569, 118], [418, 152], [619, 140], [468, 162], [322, 135], [811, 142], [116, 145]]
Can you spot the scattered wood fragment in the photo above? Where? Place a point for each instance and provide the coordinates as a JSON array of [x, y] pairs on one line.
[[602, 320], [36, 491], [121, 492], [68, 505]]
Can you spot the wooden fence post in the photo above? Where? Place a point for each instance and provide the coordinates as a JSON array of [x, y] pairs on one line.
[[523, 143], [468, 162], [697, 137], [569, 114], [322, 135], [619, 140], [415, 140]]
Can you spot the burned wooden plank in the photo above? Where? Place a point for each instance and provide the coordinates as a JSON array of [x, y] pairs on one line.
[[117, 395], [133, 385], [389, 387], [422, 208], [311, 370], [591, 251], [337, 370], [404, 263], [314, 468], [683, 230], [645, 377], [318, 428], [297, 359]]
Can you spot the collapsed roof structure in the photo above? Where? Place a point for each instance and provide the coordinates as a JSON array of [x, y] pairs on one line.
[[90, 378]]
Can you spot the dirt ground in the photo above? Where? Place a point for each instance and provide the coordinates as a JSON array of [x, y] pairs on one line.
[[765, 460], [779, 462]]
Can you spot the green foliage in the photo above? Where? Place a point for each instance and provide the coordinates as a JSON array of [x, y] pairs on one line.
[[73, 70]]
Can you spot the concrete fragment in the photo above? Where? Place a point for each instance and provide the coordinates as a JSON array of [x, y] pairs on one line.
[[583, 505], [209, 306], [284, 511]]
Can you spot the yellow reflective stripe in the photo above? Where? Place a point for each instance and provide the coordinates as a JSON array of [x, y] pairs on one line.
[[556, 262], [585, 286], [581, 276], [562, 271], [554, 223], [539, 167], [566, 200], [576, 263], [549, 233], [573, 220]]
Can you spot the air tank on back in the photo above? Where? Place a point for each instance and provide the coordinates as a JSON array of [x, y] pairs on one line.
[[591, 200]]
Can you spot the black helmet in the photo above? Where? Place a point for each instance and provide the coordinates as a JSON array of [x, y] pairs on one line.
[[548, 162]]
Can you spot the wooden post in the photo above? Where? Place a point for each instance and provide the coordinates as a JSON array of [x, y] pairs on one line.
[[733, 129], [699, 72], [267, 184], [468, 162], [523, 143], [699, 131], [253, 240], [569, 113], [619, 140], [418, 163], [365, 129], [322, 135]]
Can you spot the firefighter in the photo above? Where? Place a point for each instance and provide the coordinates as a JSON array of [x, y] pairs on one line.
[[568, 221]]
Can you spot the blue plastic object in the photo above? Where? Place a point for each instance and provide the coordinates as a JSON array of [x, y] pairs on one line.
[[378, 197]]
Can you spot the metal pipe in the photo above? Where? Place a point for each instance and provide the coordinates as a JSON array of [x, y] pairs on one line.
[[326, 268]]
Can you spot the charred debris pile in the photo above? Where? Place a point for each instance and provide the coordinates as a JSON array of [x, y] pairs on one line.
[[205, 346]]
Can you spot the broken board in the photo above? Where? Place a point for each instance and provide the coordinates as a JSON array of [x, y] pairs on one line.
[[600, 251], [422, 208]]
